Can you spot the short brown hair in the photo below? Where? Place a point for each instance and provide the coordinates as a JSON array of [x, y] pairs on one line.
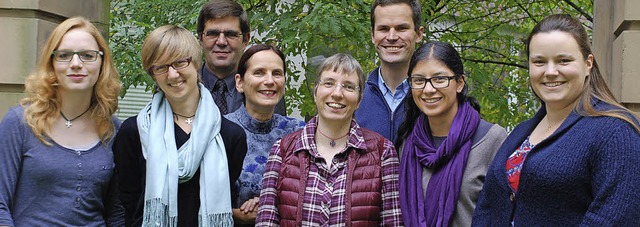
[[222, 8], [344, 64]]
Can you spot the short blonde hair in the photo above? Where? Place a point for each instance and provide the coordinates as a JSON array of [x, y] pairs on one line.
[[169, 43], [42, 104]]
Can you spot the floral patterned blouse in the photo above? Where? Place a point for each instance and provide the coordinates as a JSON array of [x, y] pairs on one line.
[[260, 137]]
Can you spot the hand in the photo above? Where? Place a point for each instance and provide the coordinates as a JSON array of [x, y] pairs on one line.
[[250, 205]]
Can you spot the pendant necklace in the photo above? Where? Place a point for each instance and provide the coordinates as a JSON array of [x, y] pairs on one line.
[[548, 127], [68, 121], [188, 120], [333, 140]]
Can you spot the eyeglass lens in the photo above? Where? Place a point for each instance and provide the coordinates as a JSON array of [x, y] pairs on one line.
[[214, 34], [436, 82], [177, 65], [85, 55]]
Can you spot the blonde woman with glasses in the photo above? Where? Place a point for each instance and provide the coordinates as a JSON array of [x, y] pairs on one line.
[[177, 159], [56, 165]]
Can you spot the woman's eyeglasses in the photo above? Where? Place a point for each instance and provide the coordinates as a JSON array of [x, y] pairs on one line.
[[163, 69], [346, 87], [85, 55], [418, 82]]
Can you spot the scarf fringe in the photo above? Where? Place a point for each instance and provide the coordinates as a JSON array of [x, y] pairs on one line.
[[218, 220], [158, 214]]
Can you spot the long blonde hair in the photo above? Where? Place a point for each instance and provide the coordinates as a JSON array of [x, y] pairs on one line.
[[42, 104]]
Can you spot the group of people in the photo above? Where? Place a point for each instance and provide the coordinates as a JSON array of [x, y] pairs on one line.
[[403, 146]]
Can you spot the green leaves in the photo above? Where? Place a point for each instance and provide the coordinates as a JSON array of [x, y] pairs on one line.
[[305, 29], [489, 35], [130, 22]]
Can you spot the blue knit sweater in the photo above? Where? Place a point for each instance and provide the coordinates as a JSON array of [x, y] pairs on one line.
[[53, 185], [374, 112], [586, 173], [260, 137]]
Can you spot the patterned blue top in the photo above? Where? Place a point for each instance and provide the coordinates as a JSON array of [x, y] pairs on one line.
[[260, 137]]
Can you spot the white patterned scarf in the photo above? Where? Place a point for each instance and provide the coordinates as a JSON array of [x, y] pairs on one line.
[[167, 165]]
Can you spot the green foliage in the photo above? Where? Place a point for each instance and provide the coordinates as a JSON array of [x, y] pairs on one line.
[[490, 36], [132, 20], [312, 28]]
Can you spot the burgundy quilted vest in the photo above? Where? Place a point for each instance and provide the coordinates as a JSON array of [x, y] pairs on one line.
[[364, 182]]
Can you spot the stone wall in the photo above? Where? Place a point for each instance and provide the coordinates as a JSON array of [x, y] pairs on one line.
[[616, 45]]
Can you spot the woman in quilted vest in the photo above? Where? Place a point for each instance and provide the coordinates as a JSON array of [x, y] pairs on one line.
[[445, 147], [332, 172]]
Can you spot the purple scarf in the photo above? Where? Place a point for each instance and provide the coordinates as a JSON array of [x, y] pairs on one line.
[[447, 163]]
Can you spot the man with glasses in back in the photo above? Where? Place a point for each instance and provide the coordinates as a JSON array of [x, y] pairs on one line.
[[395, 30], [223, 32]]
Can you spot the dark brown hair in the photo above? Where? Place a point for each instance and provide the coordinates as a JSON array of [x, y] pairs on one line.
[[416, 11], [222, 8], [449, 56], [242, 65]]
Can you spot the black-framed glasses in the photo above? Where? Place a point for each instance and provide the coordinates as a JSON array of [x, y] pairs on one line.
[[332, 84], [214, 34], [84, 55], [418, 82], [163, 69]]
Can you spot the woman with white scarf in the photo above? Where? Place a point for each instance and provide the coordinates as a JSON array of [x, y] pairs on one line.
[[176, 160]]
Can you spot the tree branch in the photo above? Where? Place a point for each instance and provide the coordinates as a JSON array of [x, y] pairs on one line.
[[582, 12], [495, 62], [526, 11]]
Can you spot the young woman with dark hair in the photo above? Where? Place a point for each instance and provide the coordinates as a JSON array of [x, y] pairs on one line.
[[445, 148]]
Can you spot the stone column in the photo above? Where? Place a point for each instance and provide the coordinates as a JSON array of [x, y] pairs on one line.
[[616, 45], [25, 25]]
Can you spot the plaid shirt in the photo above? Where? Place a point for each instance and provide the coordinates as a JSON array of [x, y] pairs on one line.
[[324, 197]]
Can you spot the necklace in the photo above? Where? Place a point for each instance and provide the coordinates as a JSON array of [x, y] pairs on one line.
[[550, 125], [188, 120], [68, 121], [333, 140]]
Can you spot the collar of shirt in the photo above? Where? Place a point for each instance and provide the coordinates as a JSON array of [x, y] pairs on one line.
[[393, 99], [209, 79], [355, 141]]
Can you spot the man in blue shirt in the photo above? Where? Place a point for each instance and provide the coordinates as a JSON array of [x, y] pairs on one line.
[[395, 30]]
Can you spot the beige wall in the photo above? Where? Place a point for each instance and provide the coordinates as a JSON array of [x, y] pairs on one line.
[[25, 25], [616, 44]]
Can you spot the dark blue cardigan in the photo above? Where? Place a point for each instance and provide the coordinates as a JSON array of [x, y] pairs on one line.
[[586, 173]]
